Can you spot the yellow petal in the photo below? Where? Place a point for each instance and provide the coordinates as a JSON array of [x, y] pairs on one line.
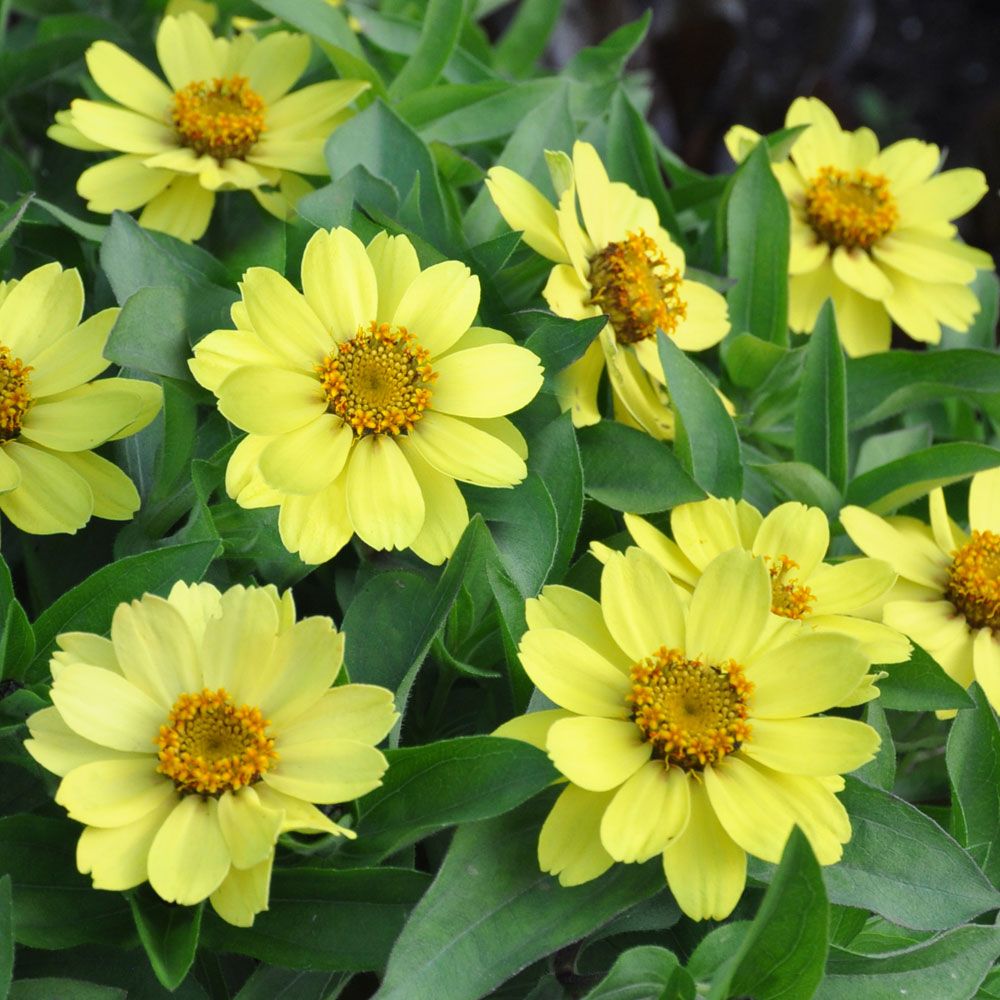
[[127, 81], [445, 510], [283, 319], [946, 196], [81, 422], [123, 182], [384, 500], [189, 858], [984, 501], [58, 749], [797, 531], [116, 857], [244, 633], [76, 357], [526, 210], [110, 793], [815, 746], [705, 529], [578, 384], [849, 585], [857, 270], [647, 813], [317, 527], [35, 313], [250, 830], [50, 497], [396, 268], [463, 451], [439, 305], [567, 609], [243, 893], [338, 282], [327, 770], [986, 663], [293, 400], [181, 210], [360, 712], [592, 187], [532, 728], [488, 381], [706, 321], [862, 323], [597, 754], [569, 844], [911, 556], [275, 63], [121, 129], [926, 257], [308, 459], [664, 550], [940, 630], [187, 51]]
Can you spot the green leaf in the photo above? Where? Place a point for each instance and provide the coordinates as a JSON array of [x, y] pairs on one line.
[[150, 333], [559, 342], [441, 24], [452, 781], [821, 412], [757, 230], [952, 965], [286, 984], [321, 919], [880, 771], [88, 607], [65, 989], [904, 866], [17, 646], [920, 685], [169, 934], [12, 215], [805, 483], [898, 483], [645, 973], [524, 41], [628, 470], [982, 332], [389, 149], [606, 61], [783, 952], [880, 449], [749, 360], [6, 935], [491, 912], [882, 385], [55, 905], [973, 758], [705, 438]]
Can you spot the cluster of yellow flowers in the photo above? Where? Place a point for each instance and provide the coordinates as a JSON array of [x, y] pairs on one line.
[[688, 697]]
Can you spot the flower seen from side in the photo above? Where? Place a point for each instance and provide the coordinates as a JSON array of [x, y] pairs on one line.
[[793, 540], [873, 230], [52, 413], [688, 728], [200, 731], [947, 598], [226, 119], [620, 262], [366, 396]]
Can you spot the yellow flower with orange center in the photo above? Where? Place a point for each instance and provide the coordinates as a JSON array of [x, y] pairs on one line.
[[872, 230], [54, 410], [225, 120], [687, 727], [947, 597], [367, 397], [620, 262], [200, 731]]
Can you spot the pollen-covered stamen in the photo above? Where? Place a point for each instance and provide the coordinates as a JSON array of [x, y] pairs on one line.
[[224, 118], [850, 209], [693, 713], [209, 745], [14, 396], [632, 283], [789, 598], [974, 580], [379, 381]]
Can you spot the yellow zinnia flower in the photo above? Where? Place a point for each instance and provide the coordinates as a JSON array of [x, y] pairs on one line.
[[52, 414], [872, 231], [685, 726], [226, 121], [366, 397], [793, 539], [947, 597], [619, 262], [200, 731]]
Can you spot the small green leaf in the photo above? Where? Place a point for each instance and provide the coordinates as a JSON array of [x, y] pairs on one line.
[[17, 646], [881, 449], [705, 439], [11, 216], [48, 988], [647, 972], [520, 46], [441, 25], [150, 333], [452, 781], [920, 685], [757, 229], [559, 342], [6, 935], [782, 954], [973, 758], [628, 470], [881, 771], [169, 934], [268, 983], [749, 360], [821, 412], [606, 61], [805, 483], [89, 606]]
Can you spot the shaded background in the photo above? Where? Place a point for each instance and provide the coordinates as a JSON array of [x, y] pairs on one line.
[[923, 68]]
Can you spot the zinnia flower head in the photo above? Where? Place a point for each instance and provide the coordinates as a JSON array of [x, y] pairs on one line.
[[225, 120], [871, 229], [947, 597], [366, 397], [200, 731], [686, 727], [52, 414], [620, 262], [793, 540]]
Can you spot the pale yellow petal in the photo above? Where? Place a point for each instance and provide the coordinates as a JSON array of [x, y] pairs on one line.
[[569, 844], [308, 459], [384, 500], [284, 319], [984, 501], [396, 268], [573, 612], [597, 754], [488, 381], [815, 746], [123, 182], [849, 585], [189, 858], [182, 210], [650, 810], [445, 511], [360, 712], [664, 550], [463, 451], [706, 320], [797, 531], [532, 728], [330, 770], [911, 556], [243, 893], [110, 793], [249, 828], [526, 210], [125, 80], [116, 857], [338, 281], [317, 527], [705, 529], [294, 400], [439, 305]]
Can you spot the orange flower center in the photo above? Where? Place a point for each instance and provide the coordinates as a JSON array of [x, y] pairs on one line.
[[974, 580], [379, 381], [14, 396], [224, 118], [693, 713], [789, 598], [632, 283], [850, 209], [210, 746]]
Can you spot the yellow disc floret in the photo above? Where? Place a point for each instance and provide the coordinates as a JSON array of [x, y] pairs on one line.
[[223, 119], [974, 580], [789, 598], [852, 210], [693, 713], [632, 283], [379, 381], [14, 396], [209, 745]]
